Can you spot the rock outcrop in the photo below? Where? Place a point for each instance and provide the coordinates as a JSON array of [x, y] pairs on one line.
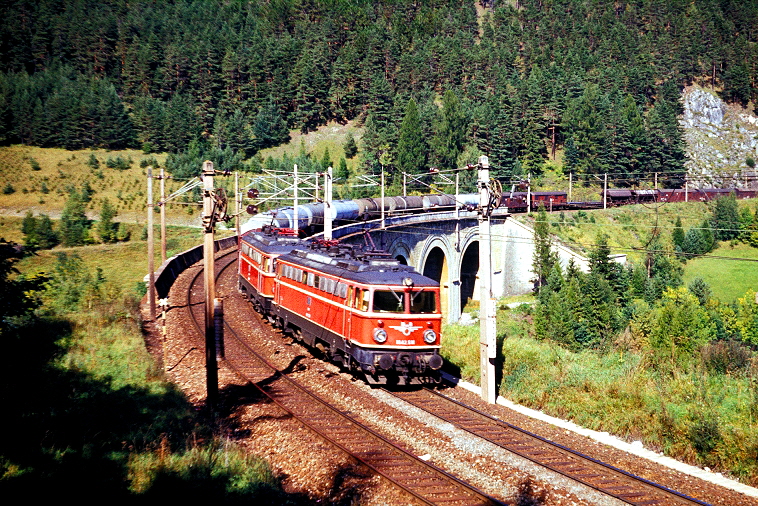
[[721, 139]]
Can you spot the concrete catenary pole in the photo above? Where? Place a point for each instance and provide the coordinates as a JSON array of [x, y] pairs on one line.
[[605, 192], [487, 339], [328, 209], [296, 226], [163, 216], [211, 368], [150, 245], [237, 205]]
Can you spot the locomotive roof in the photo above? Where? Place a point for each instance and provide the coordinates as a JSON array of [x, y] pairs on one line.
[[369, 268], [271, 241]]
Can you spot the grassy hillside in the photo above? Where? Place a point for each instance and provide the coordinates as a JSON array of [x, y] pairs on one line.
[[730, 271], [629, 230], [37, 179], [331, 137]]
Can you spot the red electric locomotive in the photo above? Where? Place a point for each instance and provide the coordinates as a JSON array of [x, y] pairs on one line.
[[363, 310], [258, 250]]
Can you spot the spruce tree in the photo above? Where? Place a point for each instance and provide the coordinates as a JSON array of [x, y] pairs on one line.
[[350, 147], [450, 128], [543, 258], [269, 127], [74, 223], [106, 228], [726, 218], [411, 148]]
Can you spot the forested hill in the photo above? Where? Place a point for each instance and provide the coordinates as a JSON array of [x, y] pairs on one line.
[[598, 81]]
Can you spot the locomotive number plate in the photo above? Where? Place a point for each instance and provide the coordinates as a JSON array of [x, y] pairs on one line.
[[405, 341]]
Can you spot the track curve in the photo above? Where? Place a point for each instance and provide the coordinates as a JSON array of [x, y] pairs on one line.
[[600, 476], [421, 480]]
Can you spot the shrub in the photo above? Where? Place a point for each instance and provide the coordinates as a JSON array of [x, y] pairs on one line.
[[119, 163], [8, 189], [150, 161], [35, 164], [704, 434], [726, 357], [93, 161]]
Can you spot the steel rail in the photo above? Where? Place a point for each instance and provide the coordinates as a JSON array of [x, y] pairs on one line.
[[420, 479], [603, 477]]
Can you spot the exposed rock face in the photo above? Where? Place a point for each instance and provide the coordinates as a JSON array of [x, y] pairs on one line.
[[720, 138]]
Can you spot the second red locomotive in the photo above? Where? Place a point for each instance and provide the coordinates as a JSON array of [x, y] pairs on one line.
[[362, 309]]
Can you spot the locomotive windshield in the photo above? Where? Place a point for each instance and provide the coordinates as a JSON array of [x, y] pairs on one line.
[[391, 301], [423, 302], [387, 301]]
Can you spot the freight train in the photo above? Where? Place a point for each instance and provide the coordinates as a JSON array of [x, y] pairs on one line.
[[358, 306], [310, 217]]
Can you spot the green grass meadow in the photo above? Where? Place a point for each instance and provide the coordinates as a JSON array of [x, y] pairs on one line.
[[730, 270]]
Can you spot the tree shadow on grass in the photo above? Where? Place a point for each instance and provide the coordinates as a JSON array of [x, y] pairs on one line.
[[70, 434]]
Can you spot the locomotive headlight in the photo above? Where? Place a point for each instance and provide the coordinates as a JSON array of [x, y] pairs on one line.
[[430, 336], [380, 335]]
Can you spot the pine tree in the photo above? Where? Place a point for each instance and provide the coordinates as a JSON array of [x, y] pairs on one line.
[[411, 148], [350, 147], [677, 236], [544, 258], [342, 174], [74, 223], [726, 218], [269, 127], [231, 131], [326, 159], [29, 229], [450, 129], [106, 228], [585, 122], [504, 143], [45, 235]]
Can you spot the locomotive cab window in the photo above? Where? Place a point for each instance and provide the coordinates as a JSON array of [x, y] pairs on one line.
[[388, 301], [423, 301]]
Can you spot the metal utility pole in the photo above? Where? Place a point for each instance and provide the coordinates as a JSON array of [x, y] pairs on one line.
[[383, 222], [150, 246], [686, 189], [328, 205], [487, 337], [571, 184], [605, 192], [457, 212], [237, 208], [296, 226], [163, 216], [529, 193], [211, 367]]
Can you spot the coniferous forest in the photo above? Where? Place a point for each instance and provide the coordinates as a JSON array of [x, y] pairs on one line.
[[520, 81]]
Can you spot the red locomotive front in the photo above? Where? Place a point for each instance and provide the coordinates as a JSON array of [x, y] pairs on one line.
[[374, 315]]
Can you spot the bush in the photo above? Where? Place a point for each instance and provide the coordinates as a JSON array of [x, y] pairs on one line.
[[150, 161], [119, 163], [93, 161], [726, 357], [35, 164], [704, 434], [8, 189]]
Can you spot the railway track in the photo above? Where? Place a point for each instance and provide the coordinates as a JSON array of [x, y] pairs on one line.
[[603, 477], [421, 480]]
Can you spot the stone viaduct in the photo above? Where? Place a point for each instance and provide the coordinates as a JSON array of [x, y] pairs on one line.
[[445, 246]]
